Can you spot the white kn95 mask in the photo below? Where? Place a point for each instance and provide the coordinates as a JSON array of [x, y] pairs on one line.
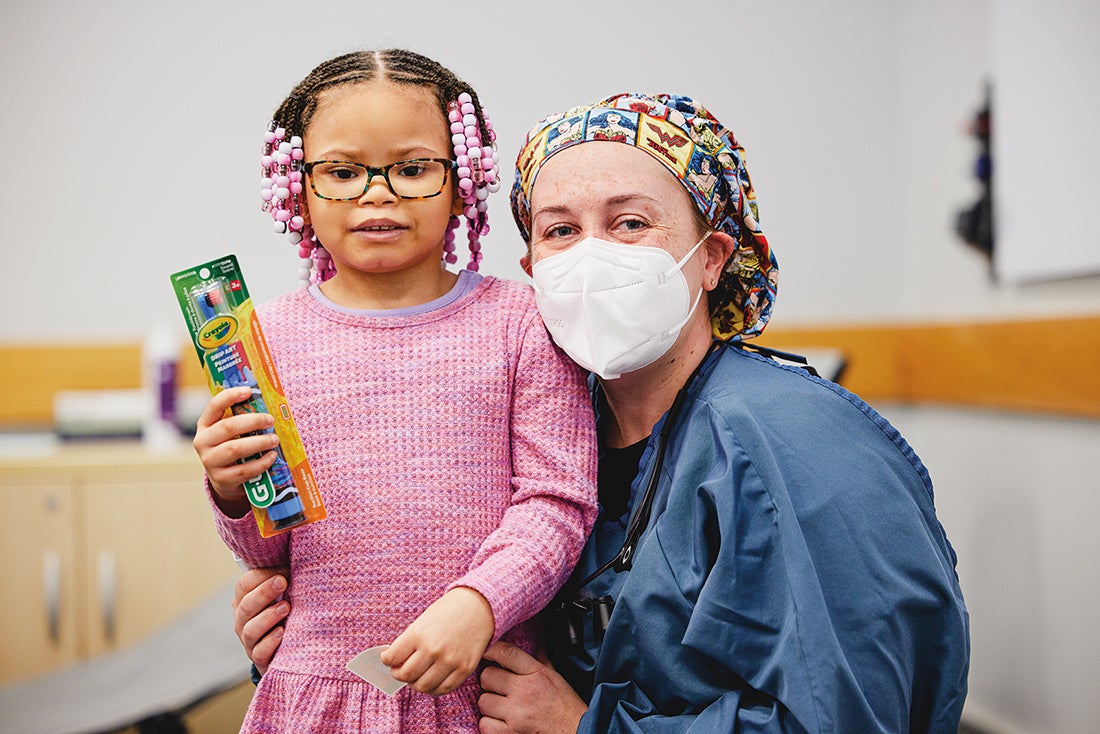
[[614, 308]]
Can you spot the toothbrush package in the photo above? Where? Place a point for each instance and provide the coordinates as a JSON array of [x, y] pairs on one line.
[[231, 347]]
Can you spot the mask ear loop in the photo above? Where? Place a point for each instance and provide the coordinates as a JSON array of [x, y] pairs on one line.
[[663, 278]]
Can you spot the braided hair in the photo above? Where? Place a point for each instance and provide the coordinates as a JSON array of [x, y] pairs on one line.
[[394, 64], [294, 115]]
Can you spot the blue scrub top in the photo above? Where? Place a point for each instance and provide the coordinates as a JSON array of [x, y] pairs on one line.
[[793, 576]]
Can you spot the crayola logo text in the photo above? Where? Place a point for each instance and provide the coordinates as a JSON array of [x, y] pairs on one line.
[[217, 331]]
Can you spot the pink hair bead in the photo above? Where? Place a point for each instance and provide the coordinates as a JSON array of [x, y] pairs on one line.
[[476, 174]]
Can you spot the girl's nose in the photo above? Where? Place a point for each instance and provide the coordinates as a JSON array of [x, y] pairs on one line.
[[378, 190]]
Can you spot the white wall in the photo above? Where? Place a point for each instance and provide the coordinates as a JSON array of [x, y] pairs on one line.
[[1020, 499], [131, 131]]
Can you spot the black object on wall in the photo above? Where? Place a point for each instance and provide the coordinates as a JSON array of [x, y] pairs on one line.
[[975, 223]]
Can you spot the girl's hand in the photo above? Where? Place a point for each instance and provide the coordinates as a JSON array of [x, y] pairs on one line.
[[222, 440], [522, 695], [444, 645]]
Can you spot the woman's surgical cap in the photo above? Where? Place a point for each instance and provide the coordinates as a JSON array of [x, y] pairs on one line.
[[707, 160]]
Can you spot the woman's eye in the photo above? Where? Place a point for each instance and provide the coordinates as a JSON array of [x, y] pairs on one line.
[[632, 225], [561, 230]]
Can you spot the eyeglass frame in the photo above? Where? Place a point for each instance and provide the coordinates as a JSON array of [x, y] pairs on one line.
[[383, 171]]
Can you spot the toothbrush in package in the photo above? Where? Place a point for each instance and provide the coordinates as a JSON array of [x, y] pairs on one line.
[[233, 352]]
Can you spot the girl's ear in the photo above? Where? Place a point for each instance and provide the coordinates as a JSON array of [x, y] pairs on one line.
[[525, 263], [719, 247], [457, 205]]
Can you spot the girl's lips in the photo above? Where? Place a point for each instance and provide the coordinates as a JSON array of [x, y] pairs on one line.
[[380, 232], [379, 225]]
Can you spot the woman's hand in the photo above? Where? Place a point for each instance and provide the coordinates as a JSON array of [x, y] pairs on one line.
[[524, 696], [259, 611], [443, 646], [222, 441]]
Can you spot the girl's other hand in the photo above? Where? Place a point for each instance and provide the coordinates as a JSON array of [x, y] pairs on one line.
[[259, 611], [222, 440], [444, 645]]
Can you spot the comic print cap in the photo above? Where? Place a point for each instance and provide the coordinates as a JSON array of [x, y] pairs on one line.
[[705, 158]]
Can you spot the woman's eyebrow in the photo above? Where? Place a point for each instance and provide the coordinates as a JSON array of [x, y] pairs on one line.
[[616, 200], [630, 198], [554, 209]]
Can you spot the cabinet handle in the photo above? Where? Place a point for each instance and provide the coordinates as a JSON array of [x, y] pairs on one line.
[[107, 584], [51, 585]]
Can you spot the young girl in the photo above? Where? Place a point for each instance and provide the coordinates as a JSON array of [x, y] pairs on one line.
[[452, 442]]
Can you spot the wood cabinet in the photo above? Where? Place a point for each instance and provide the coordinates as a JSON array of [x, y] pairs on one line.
[[101, 545]]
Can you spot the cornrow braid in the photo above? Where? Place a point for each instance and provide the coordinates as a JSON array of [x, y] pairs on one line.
[[282, 156]]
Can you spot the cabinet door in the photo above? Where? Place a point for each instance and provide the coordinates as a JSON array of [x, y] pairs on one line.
[[41, 593], [151, 549]]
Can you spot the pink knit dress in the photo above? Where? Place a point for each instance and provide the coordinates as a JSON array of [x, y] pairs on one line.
[[452, 448]]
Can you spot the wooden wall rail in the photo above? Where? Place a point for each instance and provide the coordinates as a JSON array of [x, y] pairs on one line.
[[1049, 366]]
